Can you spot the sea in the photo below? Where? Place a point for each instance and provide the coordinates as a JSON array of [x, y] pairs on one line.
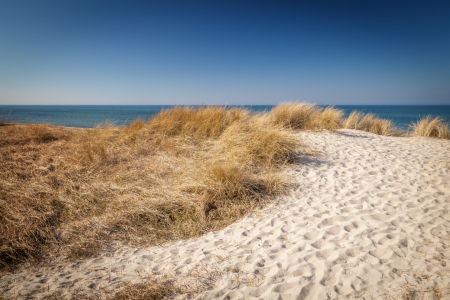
[[96, 115]]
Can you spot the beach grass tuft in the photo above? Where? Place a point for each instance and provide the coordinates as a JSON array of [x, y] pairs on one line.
[[431, 127], [370, 123], [307, 116]]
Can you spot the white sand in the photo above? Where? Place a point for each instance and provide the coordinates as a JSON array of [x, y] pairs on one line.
[[368, 214]]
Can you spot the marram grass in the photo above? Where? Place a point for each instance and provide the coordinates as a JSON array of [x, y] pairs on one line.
[[431, 127], [370, 123], [178, 175]]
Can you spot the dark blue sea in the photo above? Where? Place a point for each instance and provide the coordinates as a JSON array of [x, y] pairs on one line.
[[92, 115]]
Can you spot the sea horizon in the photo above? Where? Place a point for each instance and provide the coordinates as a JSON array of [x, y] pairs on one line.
[[90, 116]]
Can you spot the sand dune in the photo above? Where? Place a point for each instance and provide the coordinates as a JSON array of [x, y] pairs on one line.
[[368, 217]]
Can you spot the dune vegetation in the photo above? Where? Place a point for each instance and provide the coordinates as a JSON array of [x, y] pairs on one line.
[[431, 127], [180, 174], [305, 116], [370, 123]]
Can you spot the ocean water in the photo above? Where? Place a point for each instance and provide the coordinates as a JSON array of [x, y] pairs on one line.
[[92, 115]]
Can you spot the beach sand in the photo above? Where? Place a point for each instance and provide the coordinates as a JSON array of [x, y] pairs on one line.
[[368, 217]]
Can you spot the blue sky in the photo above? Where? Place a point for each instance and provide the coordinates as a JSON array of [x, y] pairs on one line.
[[224, 52]]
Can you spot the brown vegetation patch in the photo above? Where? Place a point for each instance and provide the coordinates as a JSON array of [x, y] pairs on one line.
[[431, 127], [370, 123], [146, 290], [181, 174], [307, 116]]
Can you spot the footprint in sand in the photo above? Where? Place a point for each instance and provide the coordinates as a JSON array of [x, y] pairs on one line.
[[395, 185], [377, 217], [335, 230], [389, 239], [389, 208], [328, 279], [346, 273], [371, 276], [353, 202], [321, 244], [285, 287], [327, 254], [354, 226], [304, 270], [348, 209], [331, 221], [382, 253], [311, 235], [357, 181], [353, 252]]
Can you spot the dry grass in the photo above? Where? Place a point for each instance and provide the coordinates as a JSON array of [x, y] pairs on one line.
[[430, 127], [146, 290], [178, 175], [307, 116], [409, 291], [370, 123], [6, 121], [295, 115]]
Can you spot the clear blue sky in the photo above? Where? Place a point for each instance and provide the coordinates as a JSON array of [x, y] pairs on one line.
[[224, 52]]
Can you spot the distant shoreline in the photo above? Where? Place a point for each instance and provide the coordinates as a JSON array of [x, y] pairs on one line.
[[89, 116]]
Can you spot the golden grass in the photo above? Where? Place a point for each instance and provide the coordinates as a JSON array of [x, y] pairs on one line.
[[179, 175], [370, 123], [200, 123], [431, 127], [307, 116]]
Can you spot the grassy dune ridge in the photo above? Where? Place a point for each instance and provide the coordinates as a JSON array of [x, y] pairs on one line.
[[178, 175]]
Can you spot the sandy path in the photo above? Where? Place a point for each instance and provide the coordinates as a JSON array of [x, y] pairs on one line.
[[370, 213]]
